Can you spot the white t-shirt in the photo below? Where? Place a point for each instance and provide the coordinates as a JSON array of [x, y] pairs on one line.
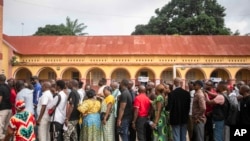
[[60, 112], [100, 90], [26, 95], [45, 99], [191, 101], [82, 94]]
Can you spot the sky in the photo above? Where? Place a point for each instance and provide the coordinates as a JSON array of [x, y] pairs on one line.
[[103, 17]]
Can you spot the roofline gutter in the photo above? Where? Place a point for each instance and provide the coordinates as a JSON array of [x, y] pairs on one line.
[[204, 66]]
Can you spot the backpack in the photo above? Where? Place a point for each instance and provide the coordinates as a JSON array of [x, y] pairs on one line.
[[231, 112]]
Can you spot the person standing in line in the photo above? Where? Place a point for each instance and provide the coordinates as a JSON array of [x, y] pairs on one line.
[[25, 94], [108, 121], [198, 112], [179, 106], [5, 106], [116, 93], [190, 126], [81, 91], [58, 118], [159, 124], [132, 131], [11, 84], [102, 83], [125, 111], [43, 120], [21, 125], [72, 114], [245, 105], [37, 93], [142, 106], [91, 123], [220, 107], [211, 92]]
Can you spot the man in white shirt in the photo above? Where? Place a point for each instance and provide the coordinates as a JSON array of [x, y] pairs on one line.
[[43, 120], [81, 91], [58, 119]]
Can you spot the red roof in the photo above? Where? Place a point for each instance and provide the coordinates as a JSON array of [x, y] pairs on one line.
[[130, 45]]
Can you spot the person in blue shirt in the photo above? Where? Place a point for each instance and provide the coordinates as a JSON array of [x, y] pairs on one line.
[[37, 92]]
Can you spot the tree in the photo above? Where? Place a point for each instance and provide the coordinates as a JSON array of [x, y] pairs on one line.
[[187, 17], [54, 30], [74, 27], [70, 28]]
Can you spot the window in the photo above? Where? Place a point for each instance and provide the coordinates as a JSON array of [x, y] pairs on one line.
[[214, 74], [75, 75], [239, 76], [51, 75], [120, 74], [96, 76], [167, 76], [144, 73], [190, 75]]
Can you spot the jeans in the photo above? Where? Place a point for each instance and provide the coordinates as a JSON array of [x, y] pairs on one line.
[[179, 132], [123, 129], [43, 130], [141, 128], [218, 130], [199, 132]]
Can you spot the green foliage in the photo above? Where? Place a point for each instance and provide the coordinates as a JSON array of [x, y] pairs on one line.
[[186, 17], [70, 28], [54, 30]]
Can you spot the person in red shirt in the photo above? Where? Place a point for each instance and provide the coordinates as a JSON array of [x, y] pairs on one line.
[[141, 113], [11, 84], [211, 92]]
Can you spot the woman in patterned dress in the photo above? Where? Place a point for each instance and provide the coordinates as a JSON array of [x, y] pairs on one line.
[[91, 126], [108, 123], [159, 122]]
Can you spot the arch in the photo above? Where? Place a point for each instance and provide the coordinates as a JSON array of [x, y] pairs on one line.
[[195, 74], [222, 73], [167, 75], [94, 75], [120, 73], [46, 73], [23, 73], [71, 73], [243, 75], [144, 71]]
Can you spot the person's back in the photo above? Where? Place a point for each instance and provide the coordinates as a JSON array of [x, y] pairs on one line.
[[179, 106], [5, 94], [23, 122], [26, 95]]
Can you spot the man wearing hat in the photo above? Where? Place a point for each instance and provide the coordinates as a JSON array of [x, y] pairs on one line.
[[21, 125], [198, 111]]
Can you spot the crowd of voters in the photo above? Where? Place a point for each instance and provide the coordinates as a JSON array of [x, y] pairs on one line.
[[65, 111]]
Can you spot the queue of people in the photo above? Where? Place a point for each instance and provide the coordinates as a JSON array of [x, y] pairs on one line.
[[64, 111]]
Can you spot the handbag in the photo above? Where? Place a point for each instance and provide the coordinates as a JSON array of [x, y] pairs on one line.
[[102, 115], [51, 111]]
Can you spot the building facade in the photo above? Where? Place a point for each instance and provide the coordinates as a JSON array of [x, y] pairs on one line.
[[90, 58]]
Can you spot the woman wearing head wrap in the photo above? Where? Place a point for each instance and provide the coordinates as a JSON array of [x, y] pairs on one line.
[[91, 125], [21, 125]]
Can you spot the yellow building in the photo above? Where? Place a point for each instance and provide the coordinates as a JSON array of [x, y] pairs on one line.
[[89, 58]]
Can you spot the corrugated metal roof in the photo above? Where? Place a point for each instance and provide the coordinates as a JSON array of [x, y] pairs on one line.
[[130, 45]]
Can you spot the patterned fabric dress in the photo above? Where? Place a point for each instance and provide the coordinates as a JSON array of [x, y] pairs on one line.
[[160, 134], [23, 124], [109, 128], [91, 126]]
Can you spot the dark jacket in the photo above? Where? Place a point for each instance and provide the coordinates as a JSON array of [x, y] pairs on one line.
[[178, 106]]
